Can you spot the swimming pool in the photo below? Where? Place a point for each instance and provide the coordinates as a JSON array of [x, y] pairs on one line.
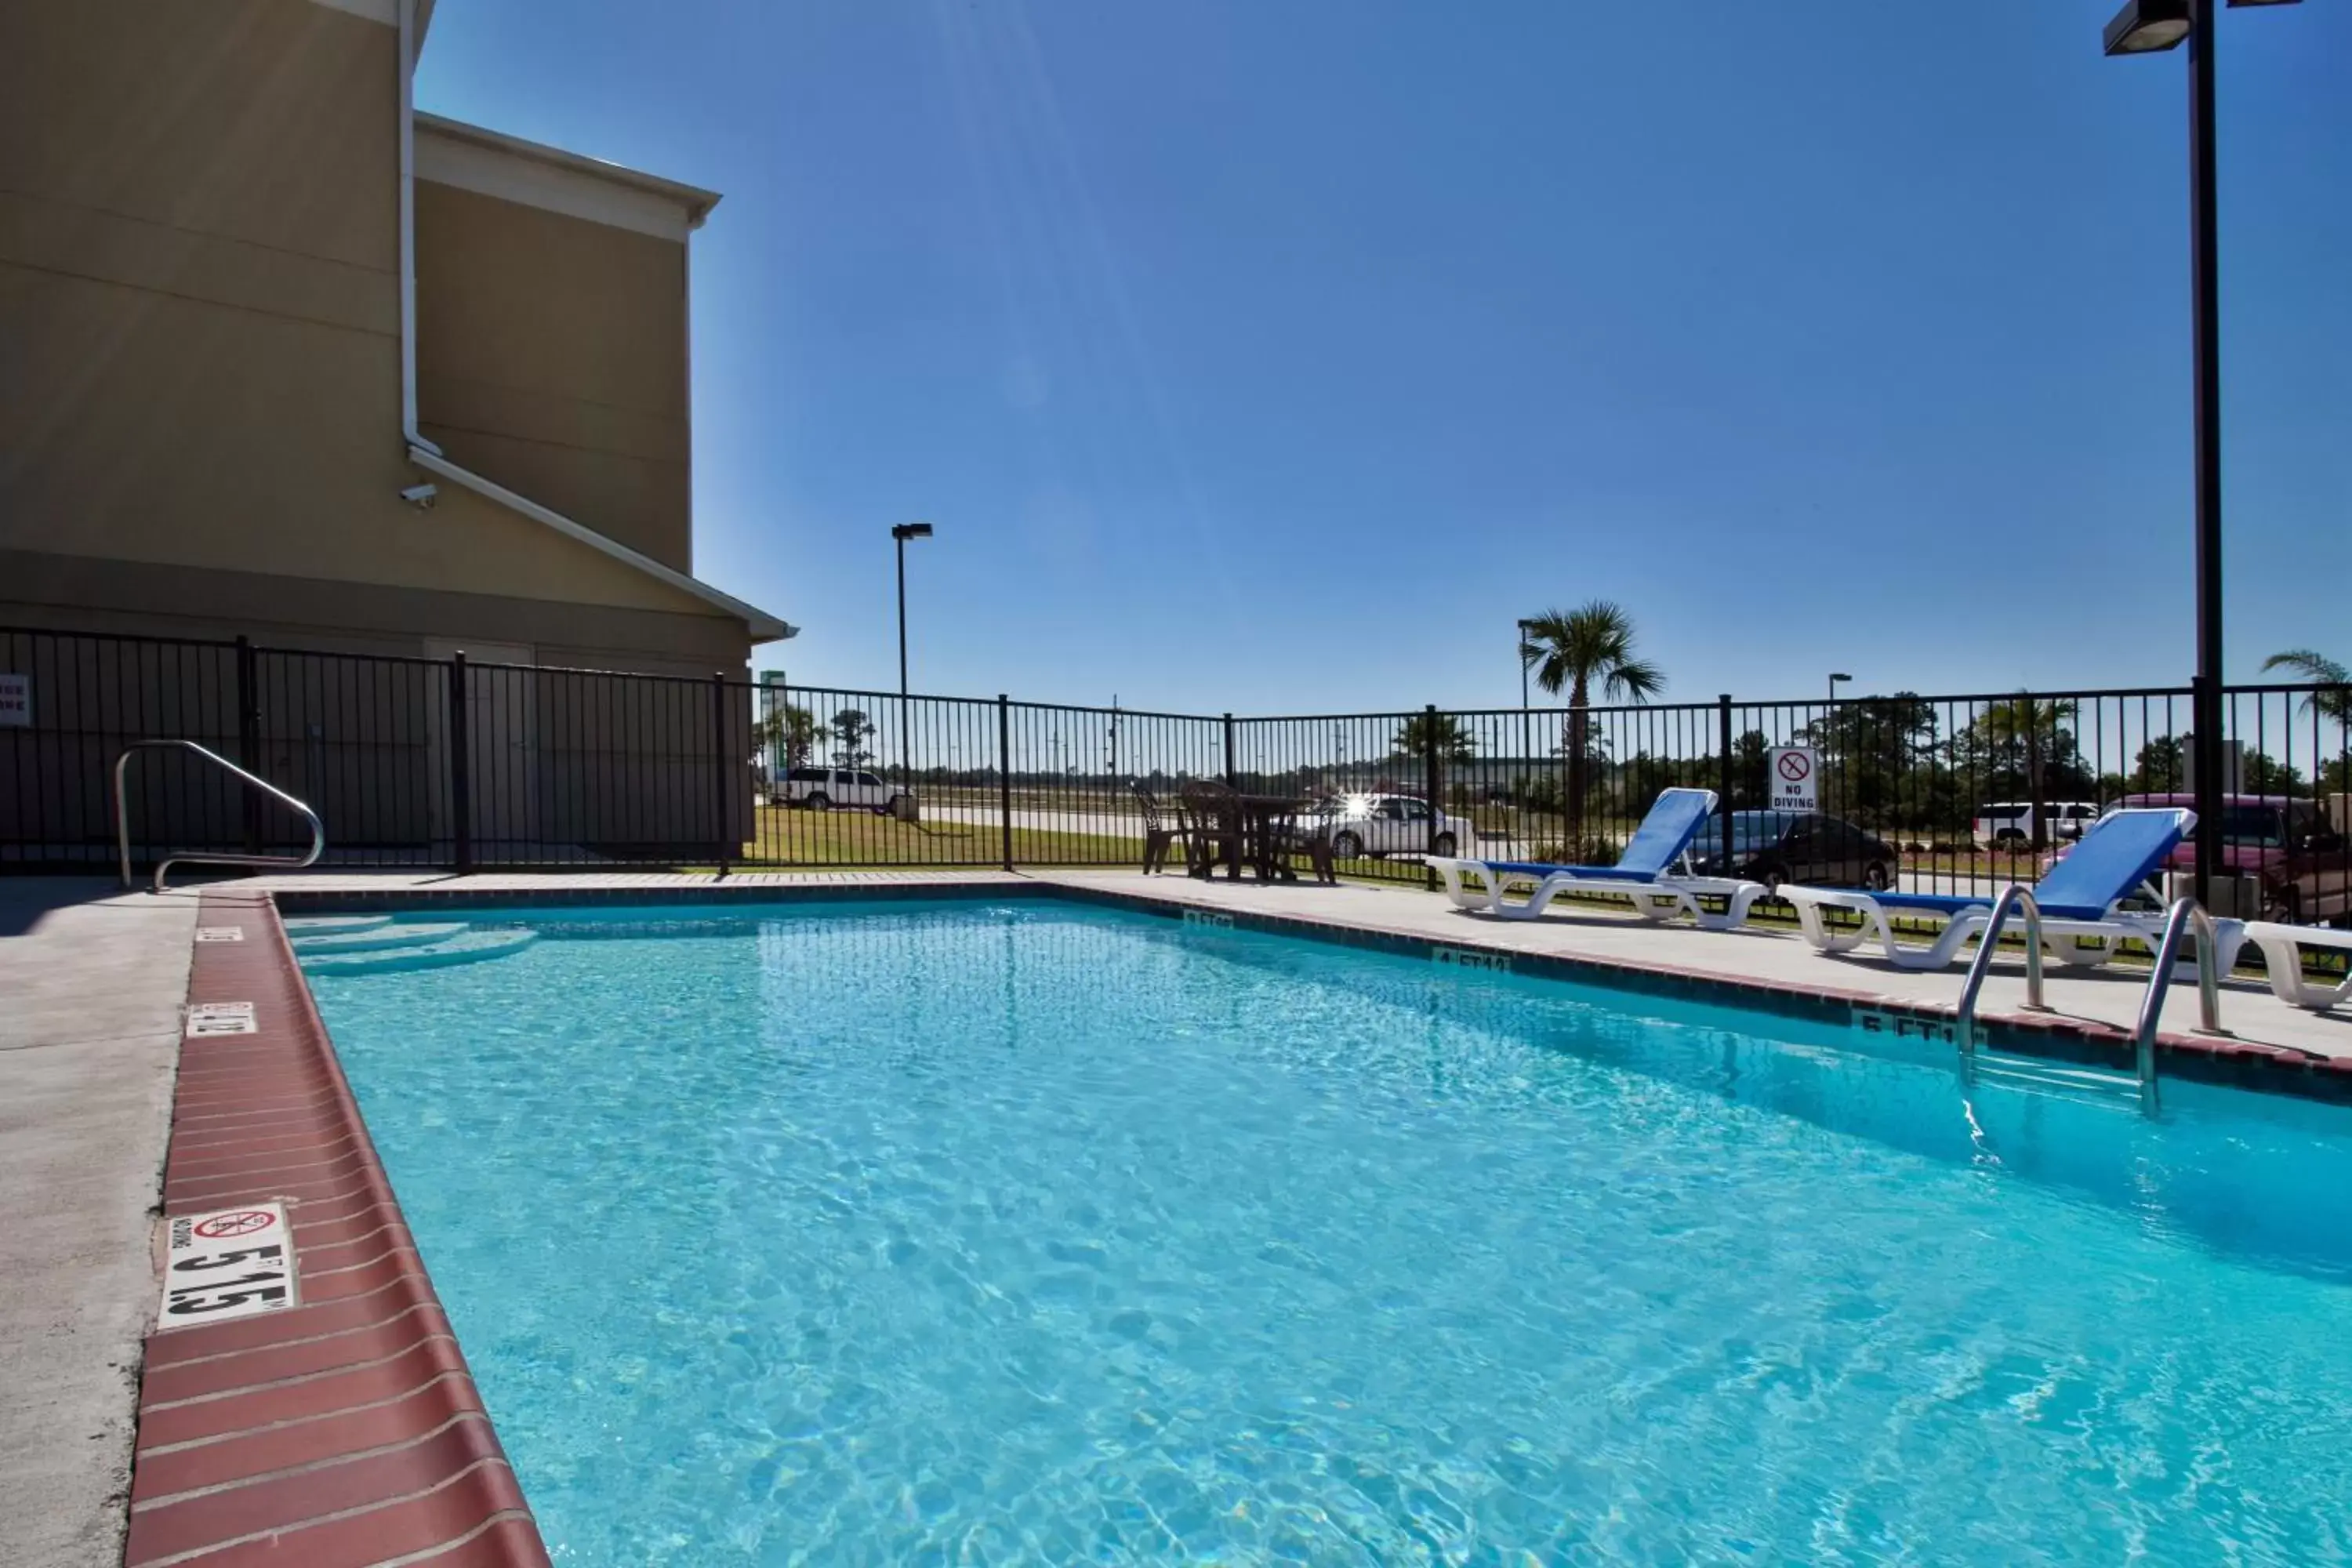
[[1041, 1232]]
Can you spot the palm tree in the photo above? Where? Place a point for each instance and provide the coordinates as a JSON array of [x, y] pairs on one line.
[[2024, 722], [790, 731], [1579, 650], [2333, 699], [852, 729], [1454, 743], [2036, 728]]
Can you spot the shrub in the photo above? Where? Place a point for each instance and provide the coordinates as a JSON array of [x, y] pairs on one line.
[[1593, 849]]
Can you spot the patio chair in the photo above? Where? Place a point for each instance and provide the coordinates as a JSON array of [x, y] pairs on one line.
[[1311, 837], [2081, 896], [1643, 874], [2283, 948], [1158, 832], [1212, 826]]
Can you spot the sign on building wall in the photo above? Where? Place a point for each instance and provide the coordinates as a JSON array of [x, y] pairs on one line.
[[1795, 778], [16, 701]]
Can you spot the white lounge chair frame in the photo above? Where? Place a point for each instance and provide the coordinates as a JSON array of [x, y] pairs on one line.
[[2282, 947], [2061, 939], [1657, 901]]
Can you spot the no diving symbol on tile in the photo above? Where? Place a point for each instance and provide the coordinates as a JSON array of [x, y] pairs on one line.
[[227, 1265], [241, 1222], [206, 1018]]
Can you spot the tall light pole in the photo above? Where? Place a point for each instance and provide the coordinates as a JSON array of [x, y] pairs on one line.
[[1526, 739], [2149, 26], [1835, 678], [900, 532]]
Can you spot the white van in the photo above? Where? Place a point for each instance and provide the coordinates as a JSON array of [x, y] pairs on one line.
[[822, 789], [2012, 821]]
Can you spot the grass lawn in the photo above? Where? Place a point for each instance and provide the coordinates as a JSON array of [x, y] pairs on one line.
[[793, 837], [788, 838]]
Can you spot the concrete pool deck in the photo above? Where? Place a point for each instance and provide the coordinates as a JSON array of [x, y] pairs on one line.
[[90, 1041], [1777, 957], [91, 980]]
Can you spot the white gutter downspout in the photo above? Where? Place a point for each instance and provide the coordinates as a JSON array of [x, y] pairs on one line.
[[408, 430], [429, 457]]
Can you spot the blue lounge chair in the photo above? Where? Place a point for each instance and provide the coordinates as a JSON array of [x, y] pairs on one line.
[[2080, 896], [1642, 874]]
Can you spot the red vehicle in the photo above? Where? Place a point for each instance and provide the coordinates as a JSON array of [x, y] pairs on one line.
[[2304, 864]]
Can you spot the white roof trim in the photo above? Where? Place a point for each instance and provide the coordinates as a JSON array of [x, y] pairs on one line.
[[450, 153], [765, 628]]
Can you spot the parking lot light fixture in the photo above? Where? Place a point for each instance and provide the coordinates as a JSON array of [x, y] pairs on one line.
[[2148, 27], [900, 532]]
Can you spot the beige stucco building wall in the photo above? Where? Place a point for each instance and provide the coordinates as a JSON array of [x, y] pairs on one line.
[[200, 415], [200, 404], [591, 423]]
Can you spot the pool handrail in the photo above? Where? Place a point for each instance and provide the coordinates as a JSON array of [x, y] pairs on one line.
[[209, 857], [2186, 913], [2017, 895]]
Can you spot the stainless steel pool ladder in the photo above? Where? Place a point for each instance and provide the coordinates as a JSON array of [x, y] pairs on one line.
[[209, 857], [2185, 915], [2017, 895]]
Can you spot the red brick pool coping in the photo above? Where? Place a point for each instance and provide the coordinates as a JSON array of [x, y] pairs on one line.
[[342, 1433]]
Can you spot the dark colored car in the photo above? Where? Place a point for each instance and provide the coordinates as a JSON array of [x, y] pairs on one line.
[[2305, 865], [1802, 847]]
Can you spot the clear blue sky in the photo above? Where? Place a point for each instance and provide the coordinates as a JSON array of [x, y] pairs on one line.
[[1276, 357]]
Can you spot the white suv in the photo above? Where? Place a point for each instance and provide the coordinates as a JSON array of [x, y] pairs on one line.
[[2012, 821], [822, 789], [1391, 825]]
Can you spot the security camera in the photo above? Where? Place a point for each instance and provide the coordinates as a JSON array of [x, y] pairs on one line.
[[420, 495]]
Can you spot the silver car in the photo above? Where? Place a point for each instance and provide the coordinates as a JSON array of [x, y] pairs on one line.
[[1377, 824]]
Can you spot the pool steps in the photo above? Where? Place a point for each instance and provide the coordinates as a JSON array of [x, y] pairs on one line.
[[370, 939], [338, 944], [324, 925], [2068, 1080]]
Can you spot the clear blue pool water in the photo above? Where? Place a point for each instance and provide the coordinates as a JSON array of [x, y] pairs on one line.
[[1048, 1233]]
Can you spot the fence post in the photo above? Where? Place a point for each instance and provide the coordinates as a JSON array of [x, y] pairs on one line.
[[1005, 772], [461, 792], [1723, 776], [1431, 783], [248, 739], [719, 791], [1229, 752]]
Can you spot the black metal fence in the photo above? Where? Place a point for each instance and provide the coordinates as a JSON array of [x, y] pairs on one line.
[[429, 763]]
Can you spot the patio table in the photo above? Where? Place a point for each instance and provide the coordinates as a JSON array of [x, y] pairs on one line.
[[1264, 831]]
